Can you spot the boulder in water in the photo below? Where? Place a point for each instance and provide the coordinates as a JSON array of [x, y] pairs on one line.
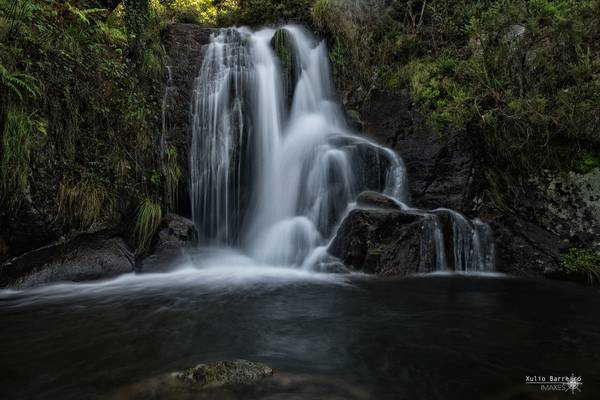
[[216, 380], [223, 373], [86, 257], [240, 380], [176, 234], [384, 242]]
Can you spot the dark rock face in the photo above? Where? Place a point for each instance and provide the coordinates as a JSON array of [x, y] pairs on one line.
[[284, 46], [185, 44], [87, 257], [440, 171], [370, 199], [31, 227], [384, 242], [525, 248], [176, 234]]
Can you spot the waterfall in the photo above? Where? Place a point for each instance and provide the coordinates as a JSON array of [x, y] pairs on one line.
[[274, 165]]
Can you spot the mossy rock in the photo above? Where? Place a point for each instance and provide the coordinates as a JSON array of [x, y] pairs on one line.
[[284, 46], [222, 373]]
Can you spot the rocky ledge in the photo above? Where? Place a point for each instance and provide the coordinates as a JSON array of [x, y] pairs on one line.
[[92, 256], [383, 237]]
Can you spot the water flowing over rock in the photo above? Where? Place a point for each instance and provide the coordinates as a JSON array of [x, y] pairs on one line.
[[388, 238], [275, 167]]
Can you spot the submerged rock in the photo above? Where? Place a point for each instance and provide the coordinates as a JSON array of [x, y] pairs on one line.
[[385, 242], [86, 257], [177, 233], [204, 381], [222, 373], [240, 380]]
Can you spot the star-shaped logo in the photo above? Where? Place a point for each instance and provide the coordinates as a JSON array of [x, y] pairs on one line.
[[573, 384]]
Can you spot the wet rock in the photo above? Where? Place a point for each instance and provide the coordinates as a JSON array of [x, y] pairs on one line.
[[215, 380], [185, 44], [29, 229], [376, 200], [557, 211], [223, 373], [176, 234], [86, 257], [385, 242], [524, 248], [249, 381], [440, 170], [284, 47], [568, 205], [3, 249]]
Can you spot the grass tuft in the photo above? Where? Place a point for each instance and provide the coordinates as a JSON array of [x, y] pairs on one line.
[[86, 202], [149, 216]]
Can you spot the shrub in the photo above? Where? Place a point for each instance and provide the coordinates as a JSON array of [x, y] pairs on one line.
[[582, 261], [521, 79], [264, 12]]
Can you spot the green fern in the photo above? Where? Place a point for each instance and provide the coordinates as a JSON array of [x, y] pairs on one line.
[[152, 63], [149, 216], [16, 14], [84, 14], [17, 141], [18, 84]]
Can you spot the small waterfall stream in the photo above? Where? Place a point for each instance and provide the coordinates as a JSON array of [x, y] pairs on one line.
[[274, 165]]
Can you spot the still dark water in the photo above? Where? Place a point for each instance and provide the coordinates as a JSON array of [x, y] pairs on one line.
[[435, 337]]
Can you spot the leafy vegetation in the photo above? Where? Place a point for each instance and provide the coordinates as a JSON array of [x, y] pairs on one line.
[[86, 202], [79, 90], [520, 78], [19, 134], [263, 12], [584, 262]]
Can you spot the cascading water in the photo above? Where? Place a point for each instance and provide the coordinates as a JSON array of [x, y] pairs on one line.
[[274, 166]]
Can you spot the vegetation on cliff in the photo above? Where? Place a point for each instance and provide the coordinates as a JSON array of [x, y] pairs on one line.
[[80, 87], [519, 78], [80, 112], [582, 263]]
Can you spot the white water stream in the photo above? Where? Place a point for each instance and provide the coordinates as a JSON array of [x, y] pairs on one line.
[[274, 176]]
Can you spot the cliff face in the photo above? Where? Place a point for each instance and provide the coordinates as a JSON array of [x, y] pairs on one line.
[[185, 49], [40, 238], [556, 211], [441, 171]]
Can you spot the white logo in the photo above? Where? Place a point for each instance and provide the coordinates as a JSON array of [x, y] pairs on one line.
[[556, 383], [573, 383]]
